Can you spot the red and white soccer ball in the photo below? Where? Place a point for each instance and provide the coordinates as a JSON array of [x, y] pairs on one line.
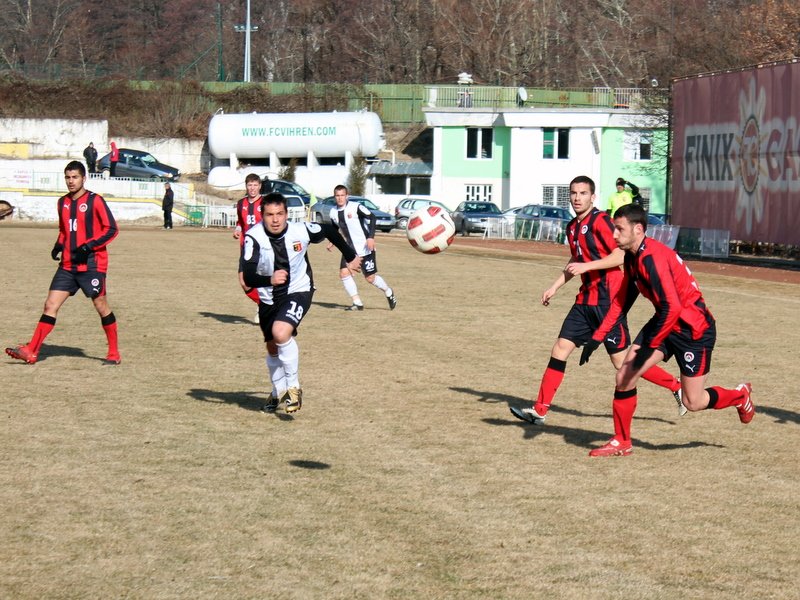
[[431, 230]]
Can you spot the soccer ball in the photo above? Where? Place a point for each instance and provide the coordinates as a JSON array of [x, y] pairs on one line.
[[431, 230]]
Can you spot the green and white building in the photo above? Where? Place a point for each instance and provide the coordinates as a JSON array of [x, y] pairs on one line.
[[489, 146]]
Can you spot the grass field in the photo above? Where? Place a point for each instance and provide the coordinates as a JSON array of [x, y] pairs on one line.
[[404, 475]]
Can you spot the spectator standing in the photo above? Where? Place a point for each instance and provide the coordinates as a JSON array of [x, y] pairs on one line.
[[114, 159], [166, 205], [90, 154], [622, 196]]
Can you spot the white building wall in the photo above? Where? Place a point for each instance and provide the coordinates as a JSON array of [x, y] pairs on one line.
[[529, 171]]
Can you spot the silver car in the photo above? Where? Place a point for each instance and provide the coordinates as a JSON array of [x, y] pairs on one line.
[[321, 212], [408, 206]]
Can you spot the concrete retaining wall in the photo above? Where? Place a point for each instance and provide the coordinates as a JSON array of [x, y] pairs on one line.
[[66, 139], [54, 138]]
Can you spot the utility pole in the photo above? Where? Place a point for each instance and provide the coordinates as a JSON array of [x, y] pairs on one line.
[[246, 28], [247, 45], [220, 64]]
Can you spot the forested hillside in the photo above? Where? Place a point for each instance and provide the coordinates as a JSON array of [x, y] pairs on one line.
[[536, 43]]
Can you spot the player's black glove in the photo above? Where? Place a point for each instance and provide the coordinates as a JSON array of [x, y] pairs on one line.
[[588, 348], [642, 354], [57, 249], [81, 254]]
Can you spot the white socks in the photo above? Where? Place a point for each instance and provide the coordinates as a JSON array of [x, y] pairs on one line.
[[276, 375], [289, 356], [379, 283], [350, 286]]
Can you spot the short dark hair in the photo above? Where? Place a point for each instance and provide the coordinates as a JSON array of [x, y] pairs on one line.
[[273, 198], [583, 179], [341, 187], [75, 165], [634, 213], [252, 177]]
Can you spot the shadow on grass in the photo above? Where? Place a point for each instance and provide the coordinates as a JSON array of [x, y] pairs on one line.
[[583, 438], [49, 350], [497, 398], [330, 305], [781, 415], [230, 319], [244, 400], [310, 464]]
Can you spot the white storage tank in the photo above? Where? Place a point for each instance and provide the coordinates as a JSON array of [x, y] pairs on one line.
[[295, 135]]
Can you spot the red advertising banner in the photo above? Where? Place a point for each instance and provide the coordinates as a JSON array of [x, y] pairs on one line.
[[736, 153]]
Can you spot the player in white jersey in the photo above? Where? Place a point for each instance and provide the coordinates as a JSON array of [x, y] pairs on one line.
[[275, 262], [357, 224]]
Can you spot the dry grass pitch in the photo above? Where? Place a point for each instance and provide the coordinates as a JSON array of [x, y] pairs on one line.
[[404, 475]]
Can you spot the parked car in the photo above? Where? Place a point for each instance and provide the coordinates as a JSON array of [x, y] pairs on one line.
[[542, 222], [321, 212], [296, 208], [287, 188], [510, 214], [408, 206], [543, 211], [138, 165], [473, 217]]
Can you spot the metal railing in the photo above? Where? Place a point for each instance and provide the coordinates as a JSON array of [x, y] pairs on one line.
[[488, 97], [540, 230], [34, 180]]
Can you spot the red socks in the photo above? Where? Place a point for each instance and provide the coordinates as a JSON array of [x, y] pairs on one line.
[[109, 323], [660, 377], [720, 397], [624, 407], [43, 328], [551, 380]]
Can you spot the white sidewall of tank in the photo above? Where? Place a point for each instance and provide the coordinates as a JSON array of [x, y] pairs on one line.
[[289, 135]]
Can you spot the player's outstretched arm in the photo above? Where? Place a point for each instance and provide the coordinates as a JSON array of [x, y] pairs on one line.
[[613, 260], [331, 233], [563, 278]]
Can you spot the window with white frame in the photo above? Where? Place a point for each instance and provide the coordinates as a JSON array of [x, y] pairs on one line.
[[475, 192], [555, 195], [479, 142], [556, 142], [637, 145]]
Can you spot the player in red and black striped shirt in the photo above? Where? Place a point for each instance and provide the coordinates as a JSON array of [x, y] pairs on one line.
[[85, 228], [596, 258], [682, 326], [248, 213]]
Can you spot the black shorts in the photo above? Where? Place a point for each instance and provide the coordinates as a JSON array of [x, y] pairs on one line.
[[291, 309], [93, 283], [583, 320], [241, 263], [693, 356], [369, 266]]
